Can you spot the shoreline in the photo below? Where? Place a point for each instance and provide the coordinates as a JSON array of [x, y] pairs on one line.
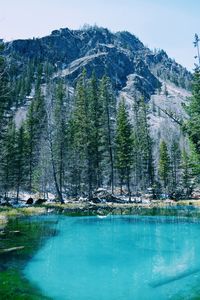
[[88, 208], [33, 232]]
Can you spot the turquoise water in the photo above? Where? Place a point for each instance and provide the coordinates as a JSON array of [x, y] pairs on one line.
[[119, 258]]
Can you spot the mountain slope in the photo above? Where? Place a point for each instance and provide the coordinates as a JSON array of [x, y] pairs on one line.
[[134, 69], [119, 54]]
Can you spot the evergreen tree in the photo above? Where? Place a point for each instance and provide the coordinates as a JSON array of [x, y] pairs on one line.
[[142, 147], [4, 91], [95, 111], [31, 141], [124, 144], [20, 166], [82, 136], [8, 159], [164, 165], [34, 127], [186, 167], [50, 130], [59, 134], [193, 125], [146, 146], [74, 166], [108, 116], [175, 164]]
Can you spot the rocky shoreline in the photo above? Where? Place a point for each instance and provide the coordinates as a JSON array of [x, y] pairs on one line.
[[82, 208], [103, 202]]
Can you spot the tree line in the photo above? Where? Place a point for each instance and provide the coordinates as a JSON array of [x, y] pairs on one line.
[[72, 144]]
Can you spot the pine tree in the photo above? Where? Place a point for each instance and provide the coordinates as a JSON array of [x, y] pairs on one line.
[[164, 165], [108, 116], [95, 111], [193, 125], [124, 144], [42, 176], [142, 147], [50, 134], [8, 159], [34, 128], [59, 134], [74, 168], [4, 91], [137, 162], [31, 141], [187, 175], [175, 164], [81, 137], [146, 146], [20, 166]]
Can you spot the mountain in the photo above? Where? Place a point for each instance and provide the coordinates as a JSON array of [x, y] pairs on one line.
[[118, 54], [36, 68], [134, 69]]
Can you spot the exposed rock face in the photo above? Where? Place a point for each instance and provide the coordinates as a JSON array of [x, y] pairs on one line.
[[134, 70], [119, 55]]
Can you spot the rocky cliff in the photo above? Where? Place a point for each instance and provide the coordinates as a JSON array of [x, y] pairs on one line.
[[134, 69]]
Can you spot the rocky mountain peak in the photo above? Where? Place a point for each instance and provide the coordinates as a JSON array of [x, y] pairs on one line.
[[120, 54]]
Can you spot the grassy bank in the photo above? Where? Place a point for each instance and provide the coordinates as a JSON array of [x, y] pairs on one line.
[[84, 208], [19, 241]]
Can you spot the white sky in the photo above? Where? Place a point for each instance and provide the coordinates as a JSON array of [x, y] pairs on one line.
[[170, 24]]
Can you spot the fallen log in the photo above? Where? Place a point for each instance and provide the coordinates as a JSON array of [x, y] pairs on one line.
[[14, 232], [7, 250]]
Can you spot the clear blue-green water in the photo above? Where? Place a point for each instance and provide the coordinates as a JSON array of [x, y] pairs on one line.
[[119, 258]]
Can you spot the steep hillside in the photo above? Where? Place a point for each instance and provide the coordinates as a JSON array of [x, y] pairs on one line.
[[119, 55], [134, 69], [51, 87]]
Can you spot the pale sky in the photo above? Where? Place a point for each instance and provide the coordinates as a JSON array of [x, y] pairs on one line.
[[166, 24]]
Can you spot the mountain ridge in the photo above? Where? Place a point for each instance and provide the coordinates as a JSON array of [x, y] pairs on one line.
[[118, 54], [135, 71], [51, 80]]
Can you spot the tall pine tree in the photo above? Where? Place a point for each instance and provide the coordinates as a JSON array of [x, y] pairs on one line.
[[124, 145], [164, 165]]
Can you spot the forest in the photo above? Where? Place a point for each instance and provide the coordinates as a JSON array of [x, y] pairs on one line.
[[72, 143]]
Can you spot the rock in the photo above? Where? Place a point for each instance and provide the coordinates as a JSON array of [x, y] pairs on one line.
[[40, 201], [29, 201], [137, 200], [102, 195], [146, 201], [93, 48], [82, 199], [96, 200]]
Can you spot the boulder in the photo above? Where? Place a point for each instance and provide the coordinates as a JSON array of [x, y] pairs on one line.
[[40, 201], [103, 195], [29, 201]]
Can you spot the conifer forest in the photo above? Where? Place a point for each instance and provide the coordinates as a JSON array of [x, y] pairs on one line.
[[72, 132]]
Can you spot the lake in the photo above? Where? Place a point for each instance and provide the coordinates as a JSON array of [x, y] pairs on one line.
[[118, 258]]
